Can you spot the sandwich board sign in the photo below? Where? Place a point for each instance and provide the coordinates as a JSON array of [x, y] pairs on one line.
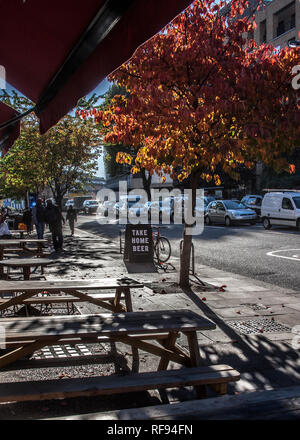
[[138, 252]]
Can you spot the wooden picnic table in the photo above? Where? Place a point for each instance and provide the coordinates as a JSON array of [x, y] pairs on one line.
[[19, 232], [21, 243], [25, 263], [137, 329], [58, 291]]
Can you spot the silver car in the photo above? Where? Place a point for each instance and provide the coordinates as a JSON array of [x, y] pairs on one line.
[[228, 212]]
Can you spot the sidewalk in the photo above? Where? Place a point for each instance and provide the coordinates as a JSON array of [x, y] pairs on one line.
[[253, 335]]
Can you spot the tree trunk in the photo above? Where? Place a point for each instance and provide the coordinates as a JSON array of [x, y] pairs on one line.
[[146, 183], [185, 257], [58, 195]]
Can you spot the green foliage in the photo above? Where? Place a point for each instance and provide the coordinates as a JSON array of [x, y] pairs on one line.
[[64, 158]]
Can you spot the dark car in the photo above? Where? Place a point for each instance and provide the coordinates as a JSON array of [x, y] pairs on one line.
[[253, 202], [90, 206]]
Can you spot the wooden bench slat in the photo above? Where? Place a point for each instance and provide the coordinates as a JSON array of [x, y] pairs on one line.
[[101, 339], [22, 262], [66, 285], [63, 299], [116, 324], [274, 404], [55, 389]]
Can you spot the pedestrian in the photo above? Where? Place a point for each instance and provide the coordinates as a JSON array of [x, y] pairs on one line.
[[54, 218], [4, 229], [38, 214], [27, 219], [71, 217]]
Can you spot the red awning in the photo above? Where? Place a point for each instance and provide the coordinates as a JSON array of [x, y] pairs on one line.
[[9, 134], [57, 51]]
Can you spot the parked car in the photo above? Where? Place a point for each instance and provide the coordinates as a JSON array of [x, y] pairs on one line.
[[162, 210], [281, 208], [69, 202], [131, 204], [209, 199], [79, 202], [90, 206], [253, 202], [229, 212]]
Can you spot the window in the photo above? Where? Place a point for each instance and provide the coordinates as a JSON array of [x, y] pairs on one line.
[[280, 28], [220, 206], [287, 204], [233, 205], [297, 202], [293, 21], [284, 20], [262, 32]]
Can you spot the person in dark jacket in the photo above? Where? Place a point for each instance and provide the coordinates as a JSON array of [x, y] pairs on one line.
[[54, 218], [72, 218], [38, 214], [27, 219]]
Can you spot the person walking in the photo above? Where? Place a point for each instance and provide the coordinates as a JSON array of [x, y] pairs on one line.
[[38, 214], [72, 218], [54, 218]]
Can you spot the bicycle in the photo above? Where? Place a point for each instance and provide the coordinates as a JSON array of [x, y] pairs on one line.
[[161, 246]]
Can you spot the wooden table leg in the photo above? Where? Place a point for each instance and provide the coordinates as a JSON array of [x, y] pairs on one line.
[[195, 360], [16, 300], [26, 273], [128, 301], [117, 299], [20, 352], [169, 343]]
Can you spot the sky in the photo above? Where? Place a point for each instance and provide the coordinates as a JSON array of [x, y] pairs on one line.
[[100, 90]]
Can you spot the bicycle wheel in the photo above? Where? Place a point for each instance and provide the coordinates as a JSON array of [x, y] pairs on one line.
[[162, 249]]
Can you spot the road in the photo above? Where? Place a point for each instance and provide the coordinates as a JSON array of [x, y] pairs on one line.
[[271, 256]]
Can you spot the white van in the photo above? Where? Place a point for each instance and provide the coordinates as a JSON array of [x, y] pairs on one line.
[[281, 208]]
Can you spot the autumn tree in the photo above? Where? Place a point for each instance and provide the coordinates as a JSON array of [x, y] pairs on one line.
[[115, 158], [202, 99]]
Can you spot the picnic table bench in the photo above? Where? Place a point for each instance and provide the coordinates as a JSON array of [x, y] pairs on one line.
[[53, 389], [154, 332], [20, 245], [66, 291], [25, 263]]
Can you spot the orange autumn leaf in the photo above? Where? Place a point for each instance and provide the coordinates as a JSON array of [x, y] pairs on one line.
[[292, 169]]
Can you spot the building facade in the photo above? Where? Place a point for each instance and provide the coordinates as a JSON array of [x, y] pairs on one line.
[[278, 23]]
